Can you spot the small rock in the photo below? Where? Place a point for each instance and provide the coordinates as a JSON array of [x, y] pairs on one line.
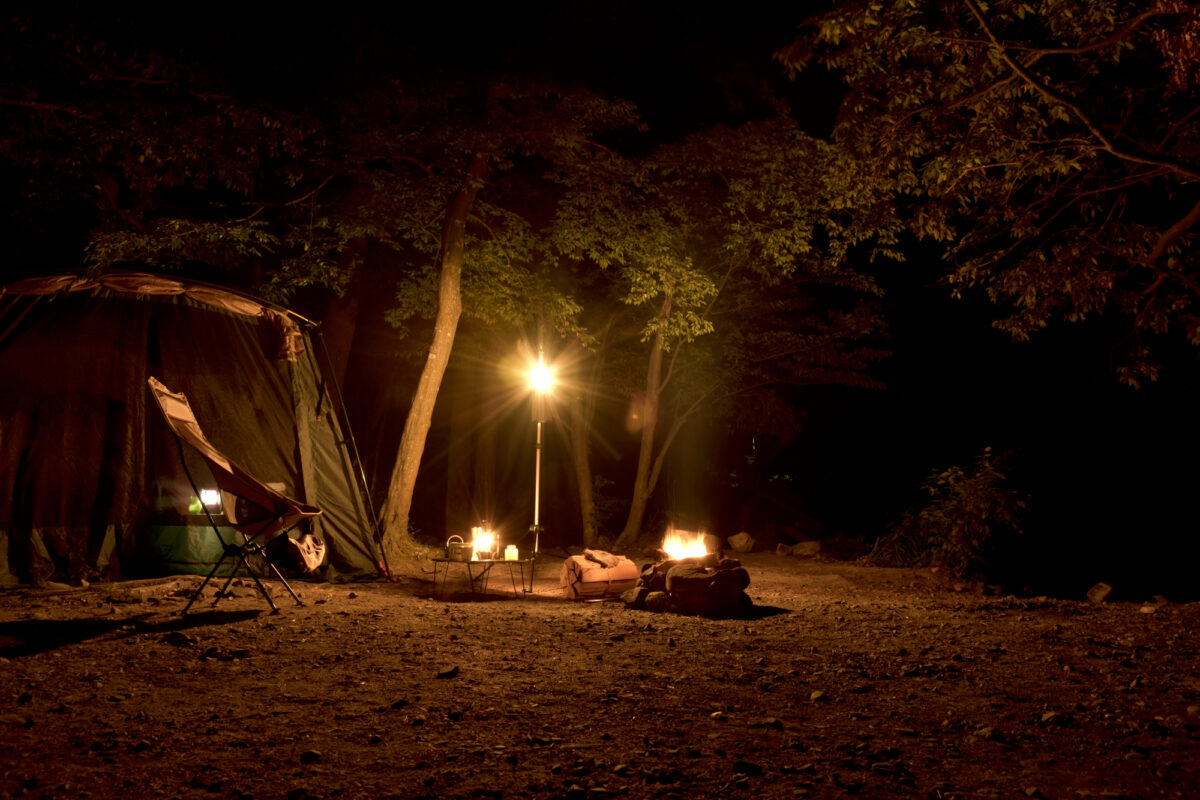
[[449, 672], [742, 542], [817, 695], [658, 601], [1099, 593], [178, 639], [806, 549], [310, 757], [635, 598]]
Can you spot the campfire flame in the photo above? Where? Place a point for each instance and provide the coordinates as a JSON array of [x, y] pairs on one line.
[[684, 544]]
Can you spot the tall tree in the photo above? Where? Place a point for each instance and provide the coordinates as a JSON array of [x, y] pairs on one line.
[[724, 233], [1053, 148], [470, 149]]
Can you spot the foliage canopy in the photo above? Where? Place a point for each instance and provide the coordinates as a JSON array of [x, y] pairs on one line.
[[1053, 148]]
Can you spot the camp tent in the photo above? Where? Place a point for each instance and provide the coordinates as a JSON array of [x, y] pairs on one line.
[[92, 483]]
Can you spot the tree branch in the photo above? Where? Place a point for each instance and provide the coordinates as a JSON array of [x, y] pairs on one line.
[[1169, 235], [1179, 168], [43, 106], [1116, 36]]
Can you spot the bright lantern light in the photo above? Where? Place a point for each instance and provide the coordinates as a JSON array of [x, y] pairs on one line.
[[684, 544], [484, 544], [541, 377], [210, 497]]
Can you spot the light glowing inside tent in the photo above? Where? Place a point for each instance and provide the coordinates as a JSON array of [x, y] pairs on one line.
[[211, 498]]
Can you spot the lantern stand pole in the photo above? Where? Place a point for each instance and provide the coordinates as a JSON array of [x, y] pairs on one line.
[[540, 382], [536, 528]]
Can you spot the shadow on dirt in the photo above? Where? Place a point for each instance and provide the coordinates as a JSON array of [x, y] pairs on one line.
[[27, 637], [198, 619]]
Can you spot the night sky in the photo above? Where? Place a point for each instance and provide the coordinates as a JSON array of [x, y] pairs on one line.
[[1111, 470]]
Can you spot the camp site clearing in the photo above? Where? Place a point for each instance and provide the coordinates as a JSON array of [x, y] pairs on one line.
[[845, 681]]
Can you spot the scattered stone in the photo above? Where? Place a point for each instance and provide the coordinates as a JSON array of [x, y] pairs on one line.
[[817, 696], [178, 639], [747, 768], [742, 542], [698, 590], [449, 672], [783, 549], [1099, 593], [806, 549], [658, 601], [635, 598], [310, 757]]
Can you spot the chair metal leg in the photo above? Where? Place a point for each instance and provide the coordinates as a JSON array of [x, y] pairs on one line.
[[232, 574], [286, 585], [199, 591], [262, 589], [241, 562]]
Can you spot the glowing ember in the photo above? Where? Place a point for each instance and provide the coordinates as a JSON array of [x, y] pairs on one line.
[[484, 544], [684, 544]]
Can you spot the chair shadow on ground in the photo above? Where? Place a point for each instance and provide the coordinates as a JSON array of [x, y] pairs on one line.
[[28, 637]]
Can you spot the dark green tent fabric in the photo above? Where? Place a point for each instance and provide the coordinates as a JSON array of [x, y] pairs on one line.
[[90, 476]]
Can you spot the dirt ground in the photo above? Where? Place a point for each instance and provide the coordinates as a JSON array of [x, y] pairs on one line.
[[847, 680]]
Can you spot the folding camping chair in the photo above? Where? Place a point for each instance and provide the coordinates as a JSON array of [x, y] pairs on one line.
[[252, 508]]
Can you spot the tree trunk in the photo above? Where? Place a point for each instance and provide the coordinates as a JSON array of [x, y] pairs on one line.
[[396, 536], [579, 434], [581, 413], [643, 482]]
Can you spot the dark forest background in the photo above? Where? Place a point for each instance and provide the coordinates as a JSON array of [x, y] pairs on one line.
[[244, 114]]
